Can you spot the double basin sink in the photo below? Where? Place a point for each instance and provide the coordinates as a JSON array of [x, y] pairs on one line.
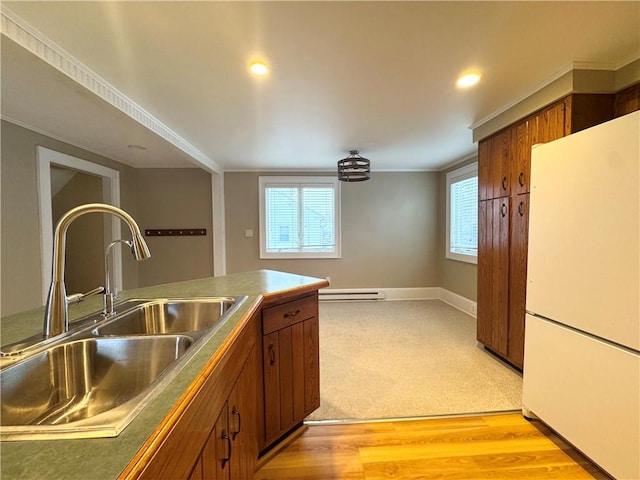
[[94, 380]]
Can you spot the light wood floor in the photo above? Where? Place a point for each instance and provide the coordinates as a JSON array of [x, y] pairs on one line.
[[475, 447]]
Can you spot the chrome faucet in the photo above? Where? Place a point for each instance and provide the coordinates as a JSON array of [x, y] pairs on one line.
[[56, 317], [108, 295]]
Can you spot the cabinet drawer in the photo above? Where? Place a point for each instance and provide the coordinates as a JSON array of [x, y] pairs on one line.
[[281, 316]]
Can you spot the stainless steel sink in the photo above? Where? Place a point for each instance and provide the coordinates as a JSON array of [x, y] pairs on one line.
[[171, 316], [81, 379], [94, 380]]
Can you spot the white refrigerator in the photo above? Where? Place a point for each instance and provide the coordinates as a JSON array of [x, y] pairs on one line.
[[582, 330]]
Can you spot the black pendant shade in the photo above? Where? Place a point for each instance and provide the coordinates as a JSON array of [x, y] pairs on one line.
[[354, 168]]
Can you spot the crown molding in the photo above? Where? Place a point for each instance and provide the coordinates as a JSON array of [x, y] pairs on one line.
[[548, 81], [16, 29], [563, 79]]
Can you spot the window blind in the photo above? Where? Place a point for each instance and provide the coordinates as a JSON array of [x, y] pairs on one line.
[[300, 218], [463, 237]]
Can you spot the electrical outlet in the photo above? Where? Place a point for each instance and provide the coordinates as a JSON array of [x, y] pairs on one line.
[[473, 309], [328, 279]]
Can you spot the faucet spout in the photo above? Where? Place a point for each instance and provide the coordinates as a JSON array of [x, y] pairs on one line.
[[56, 318]]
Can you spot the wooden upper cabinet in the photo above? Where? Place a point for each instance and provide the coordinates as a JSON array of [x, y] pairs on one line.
[[493, 167], [548, 124], [520, 153], [628, 100], [569, 115], [485, 189], [584, 110], [500, 165]]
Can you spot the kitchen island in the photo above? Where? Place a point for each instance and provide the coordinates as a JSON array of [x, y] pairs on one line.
[[138, 450]]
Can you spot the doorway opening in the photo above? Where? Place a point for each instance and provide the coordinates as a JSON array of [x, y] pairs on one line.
[[74, 181]]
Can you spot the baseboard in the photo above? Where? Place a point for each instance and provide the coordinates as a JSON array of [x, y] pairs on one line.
[[391, 294], [458, 301]]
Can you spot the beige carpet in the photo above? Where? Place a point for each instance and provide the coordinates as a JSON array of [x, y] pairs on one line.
[[407, 358]]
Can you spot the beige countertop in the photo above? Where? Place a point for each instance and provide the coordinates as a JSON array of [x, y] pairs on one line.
[[105, 458]]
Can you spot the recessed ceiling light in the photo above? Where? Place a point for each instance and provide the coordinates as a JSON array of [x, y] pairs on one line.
[[468, 80], [258, 68]]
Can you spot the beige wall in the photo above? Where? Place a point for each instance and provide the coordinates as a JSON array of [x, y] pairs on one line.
[[175, 198], [21, 284], [389, 232], [393, 227], [455, 276], [156, 198]]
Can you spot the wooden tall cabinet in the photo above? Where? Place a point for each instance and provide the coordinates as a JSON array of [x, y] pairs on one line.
[[504, 166]]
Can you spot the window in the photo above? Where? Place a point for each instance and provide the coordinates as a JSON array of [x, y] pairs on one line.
[[462, 214], [299, 217]]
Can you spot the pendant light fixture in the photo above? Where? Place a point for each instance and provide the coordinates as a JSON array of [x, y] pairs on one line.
[[354, 168]]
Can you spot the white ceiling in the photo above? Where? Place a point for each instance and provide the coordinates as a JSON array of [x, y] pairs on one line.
[[374, 76]]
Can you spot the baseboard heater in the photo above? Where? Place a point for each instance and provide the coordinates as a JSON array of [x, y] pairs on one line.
[[346, 295]]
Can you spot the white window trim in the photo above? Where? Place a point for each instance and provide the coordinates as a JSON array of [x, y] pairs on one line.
[[454, 176], [284, 180]]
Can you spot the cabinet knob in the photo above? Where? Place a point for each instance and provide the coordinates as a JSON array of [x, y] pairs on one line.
[[504, 183], [521, 209], [521, 179], [503, 210], [234, 433]]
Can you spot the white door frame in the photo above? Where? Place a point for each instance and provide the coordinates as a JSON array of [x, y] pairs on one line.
[[110, 193]]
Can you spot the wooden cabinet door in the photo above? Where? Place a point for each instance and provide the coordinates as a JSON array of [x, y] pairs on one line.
[[549, 124], [493, 274], [294, 377], [499, 166], [311, 365], [197, 472], [584, 110], [520, 153], [485, 307], [627, 101], [291, 376], [271, 375], [291, 365], [217, 450], [518, 277], [500, 274], [485, 186], [243, 420], [493, 167]]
